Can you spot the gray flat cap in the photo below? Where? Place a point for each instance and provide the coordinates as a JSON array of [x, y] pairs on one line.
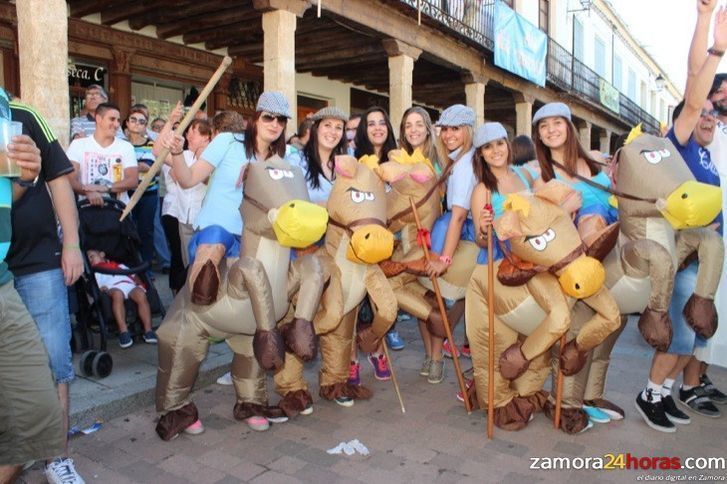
[[273, 102], [550, 110], [457, 115], [489, 132], [330, 112]]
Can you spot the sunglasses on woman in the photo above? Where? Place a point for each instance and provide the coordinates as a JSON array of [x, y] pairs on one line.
[[269, 118], [140, 121]]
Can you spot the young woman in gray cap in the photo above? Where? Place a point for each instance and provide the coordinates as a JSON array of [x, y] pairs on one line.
[[455, 147], [218, 225], [317, 159], [561, 156]]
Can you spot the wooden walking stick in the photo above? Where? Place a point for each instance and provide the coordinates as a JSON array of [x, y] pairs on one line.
[[490, 325], [393, 375], [154, 169], [559, 386], [443, 313]]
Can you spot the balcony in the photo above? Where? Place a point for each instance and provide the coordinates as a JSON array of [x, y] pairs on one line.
[[473, 21]]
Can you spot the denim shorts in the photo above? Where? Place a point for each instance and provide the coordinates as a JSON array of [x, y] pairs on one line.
[[46, 297], [684, 338]]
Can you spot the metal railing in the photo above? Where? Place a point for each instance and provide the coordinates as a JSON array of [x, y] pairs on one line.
[[473, 20]]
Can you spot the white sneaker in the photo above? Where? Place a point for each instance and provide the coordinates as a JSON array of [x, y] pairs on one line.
[[62, 471], [225, 379]]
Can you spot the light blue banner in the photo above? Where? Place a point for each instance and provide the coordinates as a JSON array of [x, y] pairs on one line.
[[520, 47]]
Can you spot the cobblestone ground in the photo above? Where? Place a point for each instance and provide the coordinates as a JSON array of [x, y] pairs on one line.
[[435, 441]]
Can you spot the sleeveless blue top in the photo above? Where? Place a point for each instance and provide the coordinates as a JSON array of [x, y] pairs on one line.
[[595, 201], [439, 230]]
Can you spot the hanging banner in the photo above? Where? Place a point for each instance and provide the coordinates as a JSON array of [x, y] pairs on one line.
[[520, 47], [609, 96]]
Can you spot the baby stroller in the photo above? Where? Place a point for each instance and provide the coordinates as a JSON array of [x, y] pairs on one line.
[[100, 229]]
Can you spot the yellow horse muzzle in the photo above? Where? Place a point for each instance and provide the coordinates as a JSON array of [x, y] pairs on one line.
[[583, 277], [299, 224], [370, 244], [692, 204]]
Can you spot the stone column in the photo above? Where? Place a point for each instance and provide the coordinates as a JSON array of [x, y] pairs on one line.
[[584, 134], [43, 52], [604, 141], [279, 24], [523, 114], [474, 90], [120, 79], [401, 69]]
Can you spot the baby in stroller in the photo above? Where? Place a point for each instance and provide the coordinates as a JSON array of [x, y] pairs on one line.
[[120, 288]]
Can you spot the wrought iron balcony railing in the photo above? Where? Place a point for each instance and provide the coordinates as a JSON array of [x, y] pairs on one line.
[[473, 21]]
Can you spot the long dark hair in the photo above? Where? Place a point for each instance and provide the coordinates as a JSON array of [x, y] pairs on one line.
[[482, 170], [573, 151], [277, 147], [364, 146], [523, 150], [312, 159]]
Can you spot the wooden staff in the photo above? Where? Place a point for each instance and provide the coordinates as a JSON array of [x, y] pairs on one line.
[[154, 169], [443, 313], [559, 386], [393, 375], [491, 325]]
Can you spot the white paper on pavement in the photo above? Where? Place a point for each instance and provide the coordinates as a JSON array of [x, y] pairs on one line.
[[349, 448]]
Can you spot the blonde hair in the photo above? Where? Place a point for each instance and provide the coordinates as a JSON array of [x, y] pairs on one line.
[[469, 134]]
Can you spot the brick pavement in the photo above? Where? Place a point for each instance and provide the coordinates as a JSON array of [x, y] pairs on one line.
[[435, 441]]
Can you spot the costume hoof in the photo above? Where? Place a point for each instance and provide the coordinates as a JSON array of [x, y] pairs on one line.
[[701, 315], [300, 338], [572, 360], [367, 340], [173, 423], [512, 362], [206, 285], [269, 349], [655, 327]]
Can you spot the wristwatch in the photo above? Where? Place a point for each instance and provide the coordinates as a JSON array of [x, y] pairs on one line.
[[26, 183]]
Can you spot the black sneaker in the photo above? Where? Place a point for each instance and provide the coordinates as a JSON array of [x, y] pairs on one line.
[[653, 413], [672, 412], [712, 392], [698, 401]]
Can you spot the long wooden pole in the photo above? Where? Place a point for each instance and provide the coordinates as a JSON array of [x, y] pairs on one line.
[[393, 375], [154, 169], [443, 314], [559, 386], [490, 326]]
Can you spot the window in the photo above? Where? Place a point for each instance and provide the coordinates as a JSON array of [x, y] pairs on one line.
[[643, 99], [599, 55], [631, 88], [662, 111], [543, 15], [577, 39], [617, 74]]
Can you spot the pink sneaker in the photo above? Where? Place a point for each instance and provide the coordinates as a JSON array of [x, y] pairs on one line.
[[381, 366], [447, 349], [468, 384], [354, 373], [257, 423], [195, 429]]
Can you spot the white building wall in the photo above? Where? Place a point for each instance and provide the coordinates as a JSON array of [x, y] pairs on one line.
[[335, 92]]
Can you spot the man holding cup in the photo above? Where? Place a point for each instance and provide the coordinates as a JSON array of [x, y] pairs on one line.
[[32, 408]]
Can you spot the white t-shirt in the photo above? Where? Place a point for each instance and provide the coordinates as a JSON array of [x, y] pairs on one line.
[[182, 203], [461, 181], [102, 166]]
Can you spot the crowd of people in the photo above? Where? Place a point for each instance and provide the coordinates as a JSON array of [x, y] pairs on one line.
[[189, 217]]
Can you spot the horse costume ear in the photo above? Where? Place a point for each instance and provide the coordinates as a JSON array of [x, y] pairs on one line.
[[391, 172], [346, 166], [508, 226], [555, 192]]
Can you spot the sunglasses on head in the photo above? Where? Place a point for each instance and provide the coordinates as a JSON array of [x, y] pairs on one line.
[[269, 118], [140, 121]]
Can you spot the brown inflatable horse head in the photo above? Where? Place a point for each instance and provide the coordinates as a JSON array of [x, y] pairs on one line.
[[410, 176], [652, 168], [276, 206], [541, 233], [357, 204]]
